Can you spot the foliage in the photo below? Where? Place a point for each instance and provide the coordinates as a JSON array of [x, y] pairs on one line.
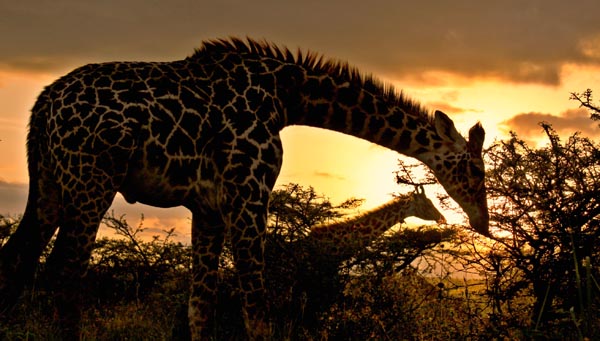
[[128, 267], [293, 210], [545, 211], [135, 289], [403, 306], [586, 101], [7, 227], [305, 278]]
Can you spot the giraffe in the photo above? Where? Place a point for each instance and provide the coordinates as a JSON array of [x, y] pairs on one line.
[[203, 133], [343, 239], [319, 254]]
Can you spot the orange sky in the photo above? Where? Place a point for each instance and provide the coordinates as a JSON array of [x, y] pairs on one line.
[[508, 65]]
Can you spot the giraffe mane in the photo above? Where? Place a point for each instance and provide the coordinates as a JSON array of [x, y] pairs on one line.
[[318, 63]]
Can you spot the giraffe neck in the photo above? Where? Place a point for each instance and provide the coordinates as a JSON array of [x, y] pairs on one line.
[[358, 232], [363, 108], [307, 90], [284, 89]]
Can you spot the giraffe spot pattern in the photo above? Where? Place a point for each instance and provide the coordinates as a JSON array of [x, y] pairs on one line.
[[203, 132]]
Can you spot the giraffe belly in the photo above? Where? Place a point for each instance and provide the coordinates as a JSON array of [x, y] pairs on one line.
[[153, 194], [158, 190]]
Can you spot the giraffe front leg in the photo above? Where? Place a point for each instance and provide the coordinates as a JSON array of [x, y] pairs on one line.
[[247, 239], [208, 233]]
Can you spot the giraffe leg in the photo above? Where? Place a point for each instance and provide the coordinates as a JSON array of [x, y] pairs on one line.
[[68, 261], [247, 239], [208, 233], [20, 255]]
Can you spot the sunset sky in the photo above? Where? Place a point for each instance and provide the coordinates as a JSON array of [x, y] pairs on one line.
[[508, 64]]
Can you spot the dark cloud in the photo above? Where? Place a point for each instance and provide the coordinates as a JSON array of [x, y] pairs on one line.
[[329, 175], [513, 40], [450, 109], [526, 125]]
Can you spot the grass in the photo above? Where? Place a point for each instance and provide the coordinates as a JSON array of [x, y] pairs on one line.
[[400, 307]]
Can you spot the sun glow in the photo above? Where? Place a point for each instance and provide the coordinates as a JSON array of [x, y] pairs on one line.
[[18, 91]]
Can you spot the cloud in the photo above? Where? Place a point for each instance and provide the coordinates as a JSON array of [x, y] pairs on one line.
[[590, 46], [328, 175], [511, 40], [13, 197], [451, 109], [526, 125]]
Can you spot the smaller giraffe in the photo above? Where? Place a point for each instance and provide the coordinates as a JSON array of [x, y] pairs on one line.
[[344, 238], [316, 262]]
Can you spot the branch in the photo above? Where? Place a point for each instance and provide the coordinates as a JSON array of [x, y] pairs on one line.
[[405, 175], [585, 100], [407, 181], [122, 228]]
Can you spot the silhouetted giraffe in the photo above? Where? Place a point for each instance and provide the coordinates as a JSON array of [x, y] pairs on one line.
[[203, 132], [316, 258], [342, 239]]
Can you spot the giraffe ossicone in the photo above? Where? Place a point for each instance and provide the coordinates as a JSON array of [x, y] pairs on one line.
[[203, 132]]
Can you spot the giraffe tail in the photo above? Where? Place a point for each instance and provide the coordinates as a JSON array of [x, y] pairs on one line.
[[20, 255]]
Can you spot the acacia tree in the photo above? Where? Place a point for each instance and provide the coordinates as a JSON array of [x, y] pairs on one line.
[[545, 211], [585, 100], [293, 267], [309, 282], [129, 267], [294, 209]]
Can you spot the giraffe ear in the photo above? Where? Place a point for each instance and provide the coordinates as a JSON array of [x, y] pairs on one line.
[[445, 127], [476, 138]]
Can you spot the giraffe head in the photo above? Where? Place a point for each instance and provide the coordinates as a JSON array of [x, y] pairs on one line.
[[420, 206], [458, 165]]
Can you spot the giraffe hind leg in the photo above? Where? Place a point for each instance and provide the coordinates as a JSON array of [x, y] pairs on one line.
[[68, 261], [21, 253]]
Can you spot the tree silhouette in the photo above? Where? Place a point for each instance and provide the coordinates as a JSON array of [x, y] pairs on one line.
[[545, 209], [294, 209], [586, 101], [306, 275], [127, 267]]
